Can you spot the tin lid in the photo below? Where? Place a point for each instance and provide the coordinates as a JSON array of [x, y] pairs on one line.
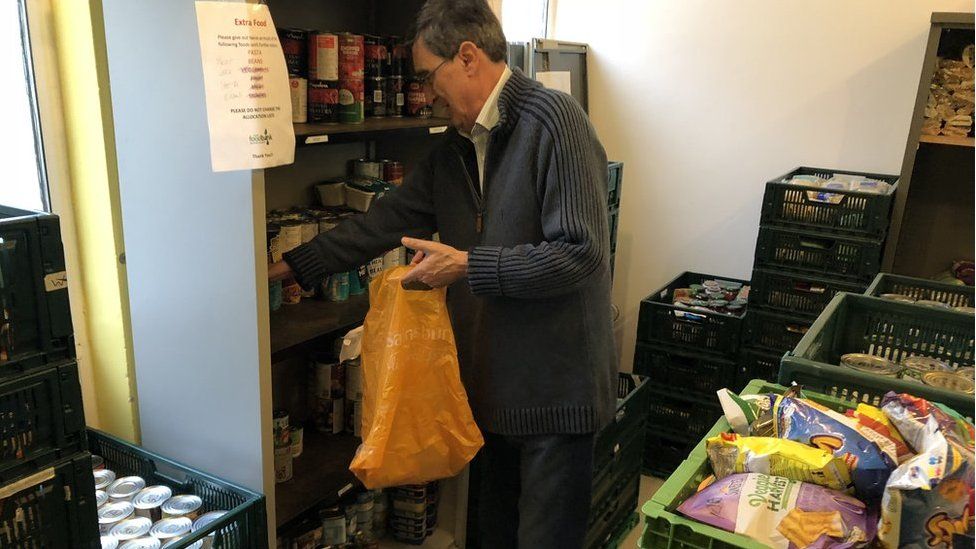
[[152, 497], [967, 372], [968, 310], [125, 487], [869, 364], [280, 413], [115, 512], [207, 519], [331, 513], [131, 528], [931, 303], [173, 542], [141, 543], [101, 496], [98, 462], [108, 542], [103, 478], [171, 528], [950, 381], [925, 364], [182, 505], [898, 297]]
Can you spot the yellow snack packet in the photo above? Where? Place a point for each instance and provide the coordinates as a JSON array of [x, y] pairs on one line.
[[730, 453]]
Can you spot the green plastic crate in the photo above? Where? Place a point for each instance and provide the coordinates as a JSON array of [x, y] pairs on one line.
[[920, 288], [854, 323], [664, 528]]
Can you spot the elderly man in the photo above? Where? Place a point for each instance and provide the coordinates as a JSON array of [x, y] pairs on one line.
[[517, 192]]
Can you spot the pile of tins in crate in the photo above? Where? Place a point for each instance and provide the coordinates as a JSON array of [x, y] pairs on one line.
[[821, 231], [687, 339], [47, 481]]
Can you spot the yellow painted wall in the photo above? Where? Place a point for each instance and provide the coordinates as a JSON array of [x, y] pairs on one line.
[[86, 100]]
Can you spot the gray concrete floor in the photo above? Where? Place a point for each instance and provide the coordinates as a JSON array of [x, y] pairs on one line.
[[648, 486]]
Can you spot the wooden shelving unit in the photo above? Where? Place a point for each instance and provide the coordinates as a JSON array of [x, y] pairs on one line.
[[321, 476], [932, 221], [294, 327], [371, 128]]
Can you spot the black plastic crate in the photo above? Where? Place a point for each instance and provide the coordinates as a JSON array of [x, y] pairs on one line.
[[922, 289], [243, 527], [857, 213], [51, 508], [663, 454], [624, 466], [756, 364], [41, 419], [683, 371], [35, 319], [680, 416], [633, 399], [609, 514], [615, 182], [662, 322], [796, 294], [614, 221], [774, 332], [823, 254]]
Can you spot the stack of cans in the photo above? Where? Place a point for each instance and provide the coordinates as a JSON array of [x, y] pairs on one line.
[[132, 515], [413, 516]]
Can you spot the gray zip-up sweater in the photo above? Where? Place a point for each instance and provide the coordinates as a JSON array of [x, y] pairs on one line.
[[532, 320]]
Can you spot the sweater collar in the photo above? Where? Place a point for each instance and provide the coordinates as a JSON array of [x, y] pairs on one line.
[[510, 100]]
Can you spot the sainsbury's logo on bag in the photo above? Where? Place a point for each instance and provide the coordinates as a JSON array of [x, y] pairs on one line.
[[419, 334]]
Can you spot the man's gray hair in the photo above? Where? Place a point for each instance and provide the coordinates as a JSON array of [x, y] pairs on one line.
[[445, 24]]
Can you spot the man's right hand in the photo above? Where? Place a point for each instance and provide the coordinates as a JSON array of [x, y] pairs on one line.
[[279, 271]]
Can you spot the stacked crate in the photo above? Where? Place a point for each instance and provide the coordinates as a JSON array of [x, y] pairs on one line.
[[46, 485], [615, 182], [688, 355], [812, 244]]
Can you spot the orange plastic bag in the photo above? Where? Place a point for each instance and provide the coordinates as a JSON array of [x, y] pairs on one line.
[[417, 425]]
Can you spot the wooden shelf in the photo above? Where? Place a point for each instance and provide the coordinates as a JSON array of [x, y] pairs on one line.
[[294, 325], [947, 140], [371, 128], [440, 539], [321, 476]]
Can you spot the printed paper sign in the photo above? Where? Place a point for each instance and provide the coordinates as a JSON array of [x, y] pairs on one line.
[[557, 80], [246, 81]]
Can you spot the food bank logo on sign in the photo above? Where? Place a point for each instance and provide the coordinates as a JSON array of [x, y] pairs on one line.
[[399, 338], [260, 138]]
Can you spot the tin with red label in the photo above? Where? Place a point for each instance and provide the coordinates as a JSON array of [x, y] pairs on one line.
[[393, 172], [323, 56], [293, 45], [323, 102], [396, 99], [299, 99], [351, 92], [375, 96], [351, 56], [398, 56], [417, 104], [376, 56]]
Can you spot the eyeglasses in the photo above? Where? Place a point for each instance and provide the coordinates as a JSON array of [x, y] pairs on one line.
[[428, 79]]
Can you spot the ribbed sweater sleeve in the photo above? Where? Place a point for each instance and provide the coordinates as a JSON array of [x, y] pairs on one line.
[[574, 213], [405, 211]]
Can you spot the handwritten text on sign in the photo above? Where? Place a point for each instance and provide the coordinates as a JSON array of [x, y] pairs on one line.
[[248, 97]]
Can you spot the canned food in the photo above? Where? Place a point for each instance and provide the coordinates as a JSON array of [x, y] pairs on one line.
[[354, 418], [101, 498], [185, 506], [291, 292], [299, 99], [337, 289], [131, 528], [950, 381], [310, 229], [398, 56], [333, 527], [113, 513], [417, 104], [351, 523], [176, 541], [141, 543], [870, 364], [395, 258], [290, 235], [393, 172], [125, 488], [364, 509], [375, 56], [375, 267], [327, 377], [364, 167], [323, 101], [351, 96], [98, 463], [169, 528], [967, 372], [925, 364], [351, 56], [293, 46], [149, 502], [103, 478], [396, 99], [932, 303], [898, 297], [311, 538], [279, 425], [297, 440], [375, 97], [108, 542], [323, 56], [328, 415], [354, 379], [283, 464], [203, 523], [967, 310]]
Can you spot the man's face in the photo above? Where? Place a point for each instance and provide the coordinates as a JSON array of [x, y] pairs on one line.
[[447, 83]]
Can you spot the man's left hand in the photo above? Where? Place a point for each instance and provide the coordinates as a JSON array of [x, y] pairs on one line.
[[436, 265]]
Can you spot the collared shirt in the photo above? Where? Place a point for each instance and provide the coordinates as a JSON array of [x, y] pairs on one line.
[[487, 119]]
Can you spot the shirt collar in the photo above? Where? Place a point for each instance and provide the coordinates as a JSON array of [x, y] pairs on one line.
[[488, 117]]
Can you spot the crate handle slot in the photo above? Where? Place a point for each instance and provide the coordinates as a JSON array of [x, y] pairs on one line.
[[809, 288], [817, 243], [621, 414], [796, 329]]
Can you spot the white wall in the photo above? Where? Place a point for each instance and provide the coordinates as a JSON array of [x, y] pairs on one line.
[[704, 101]]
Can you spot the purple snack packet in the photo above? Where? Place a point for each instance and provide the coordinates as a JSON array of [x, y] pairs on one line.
[[783, 513]]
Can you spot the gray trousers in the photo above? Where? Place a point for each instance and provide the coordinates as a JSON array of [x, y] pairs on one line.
[[535, 491]]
